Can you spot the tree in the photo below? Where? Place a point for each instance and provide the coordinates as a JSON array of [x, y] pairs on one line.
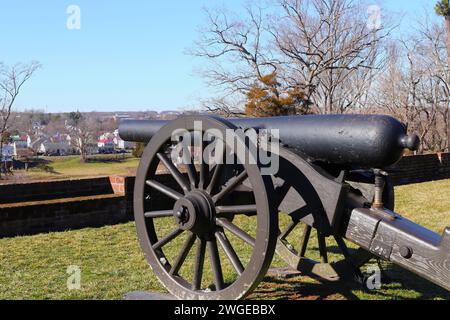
[[12, 80], [329, 50], [223, 106], [75, 118], [443, 9], [237, 54], [83, 133], [265, 99], [323, 48], [414, 87], [138, 149]]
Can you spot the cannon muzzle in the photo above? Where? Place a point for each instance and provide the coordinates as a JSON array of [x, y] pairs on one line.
[[374, 141]]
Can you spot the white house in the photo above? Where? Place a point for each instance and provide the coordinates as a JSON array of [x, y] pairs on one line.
[[122, 144], [56, 149], [36, 144]]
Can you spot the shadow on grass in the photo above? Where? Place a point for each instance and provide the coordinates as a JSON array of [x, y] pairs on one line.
[[107, 159], [44, 165], [396, 284]]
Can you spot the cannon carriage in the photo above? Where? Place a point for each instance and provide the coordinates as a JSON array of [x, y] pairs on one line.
[[265, 191]]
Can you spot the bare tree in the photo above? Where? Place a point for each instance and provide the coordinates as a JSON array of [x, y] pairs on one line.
[[237, 55], [83, 133], [415, 86], [443, 9], [223, 107], [12, 80], [323, 47], [330, 50], [432, 54]]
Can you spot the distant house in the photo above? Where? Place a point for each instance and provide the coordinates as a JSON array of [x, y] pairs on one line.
[[21, 141], [120, 143], [7, 153], [121, 116], [169, 115], [106, 145], [36, 144], [56, 149], [91, 148], [62, 138]]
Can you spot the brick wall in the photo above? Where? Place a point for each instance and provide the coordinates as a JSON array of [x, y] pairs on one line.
[[421, 168], [56, 215], [47, 190], [48, 206]]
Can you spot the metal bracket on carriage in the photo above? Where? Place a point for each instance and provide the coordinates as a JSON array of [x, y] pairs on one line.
[[402, 242]]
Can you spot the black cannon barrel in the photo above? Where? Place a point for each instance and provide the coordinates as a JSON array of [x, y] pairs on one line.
[[375, 141]]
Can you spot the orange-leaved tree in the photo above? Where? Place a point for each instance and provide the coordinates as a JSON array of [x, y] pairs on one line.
[[267, 98]]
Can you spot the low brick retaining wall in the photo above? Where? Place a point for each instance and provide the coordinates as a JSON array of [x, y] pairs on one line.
[[47, 190], [45, 206], [48, 206], [60, 215], [421, 168]]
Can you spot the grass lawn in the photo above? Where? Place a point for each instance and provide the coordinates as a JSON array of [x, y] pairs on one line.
[[72, 167], [112, 264]]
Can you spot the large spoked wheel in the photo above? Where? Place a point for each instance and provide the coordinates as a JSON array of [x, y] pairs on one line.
[[199, 214]]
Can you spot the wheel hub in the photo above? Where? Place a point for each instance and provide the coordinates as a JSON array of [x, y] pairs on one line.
[[195, 212]]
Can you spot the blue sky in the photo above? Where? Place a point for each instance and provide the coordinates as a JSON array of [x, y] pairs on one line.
[[128, 55]]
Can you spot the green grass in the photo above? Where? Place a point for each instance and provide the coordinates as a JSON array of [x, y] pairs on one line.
[[111, 262], [73, 167]]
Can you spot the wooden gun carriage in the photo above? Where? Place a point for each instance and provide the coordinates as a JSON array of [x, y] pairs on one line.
[[329, 180]]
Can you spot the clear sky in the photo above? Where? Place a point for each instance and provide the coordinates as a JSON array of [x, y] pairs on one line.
[[127, 55]]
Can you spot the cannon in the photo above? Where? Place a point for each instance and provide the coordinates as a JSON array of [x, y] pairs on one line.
[[224, 206]]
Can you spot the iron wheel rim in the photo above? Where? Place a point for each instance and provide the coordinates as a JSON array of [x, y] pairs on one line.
[[267, 220]]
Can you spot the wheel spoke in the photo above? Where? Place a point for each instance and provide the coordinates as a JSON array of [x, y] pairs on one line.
[[241, 234], [164, 189], [343, 247], [159, 214], [304, 240], [215, 178], [167, 239], [240, 209], [229, 251], [289, 229], [232, 184], [199, 262], [322, 248], [204, 168], [183, 254], [215, 264], [190, 167], [176, 174]]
